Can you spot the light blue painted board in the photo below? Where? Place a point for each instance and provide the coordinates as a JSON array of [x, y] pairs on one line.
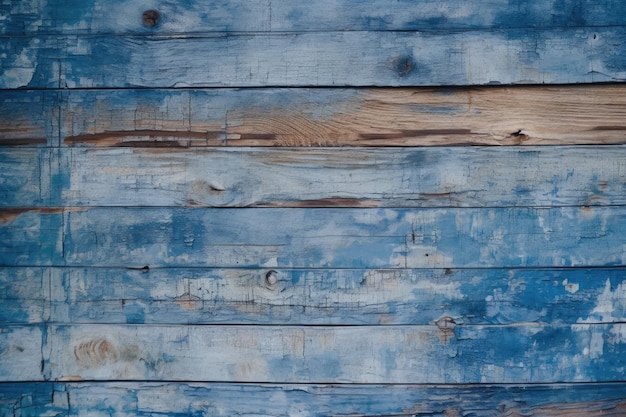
[[201, 399], [316, 238], [442, 353], [346, 238], [28, 118], [312, 297], [425, 177], [125, 16], [21, 355], [515, 56]]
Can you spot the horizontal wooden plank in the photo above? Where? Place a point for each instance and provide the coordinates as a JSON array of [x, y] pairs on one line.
[[316, 117], [515, 56], [29, 118], [21, 355], [25, 295], [346, 117], [425, 177], [315, 238], [441, 353], [330, 297], [184, 399], [126, 16]]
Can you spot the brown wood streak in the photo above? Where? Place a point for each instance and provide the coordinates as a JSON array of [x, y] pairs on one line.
[[389, 117], [148, 138], [586, 409], [9, 215], [325, 202]]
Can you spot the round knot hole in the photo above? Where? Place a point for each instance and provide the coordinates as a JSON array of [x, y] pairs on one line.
[[150, 18], [404, 65], [271, 277]]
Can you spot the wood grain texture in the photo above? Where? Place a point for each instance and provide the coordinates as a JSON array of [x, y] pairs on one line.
[[125, 16], [311, 296], [440, 353], [339, 177], [329, 59], [346, 117], [29, 118], [315, 238], [288, 400]]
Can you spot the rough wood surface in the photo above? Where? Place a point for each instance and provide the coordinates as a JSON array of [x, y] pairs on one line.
[[316, 117], [346, 117], [127, 16], [315, 238], [146, 399], [29, 118], [439, 353], [311, 296], [329, 59], [339, 177]]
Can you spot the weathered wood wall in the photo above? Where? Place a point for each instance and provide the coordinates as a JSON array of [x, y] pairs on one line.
[[266, 208]]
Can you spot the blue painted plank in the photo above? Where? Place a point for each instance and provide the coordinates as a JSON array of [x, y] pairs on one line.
[[243, 177], [196, 399], [33, 400], [126, 16], [30, 237], [25, 295], [317, 238], [514, 56], [29, 118], [440, 353], [311, 297], [21, 354]]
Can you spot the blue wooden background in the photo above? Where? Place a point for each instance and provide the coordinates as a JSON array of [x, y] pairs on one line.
[[331, 207]]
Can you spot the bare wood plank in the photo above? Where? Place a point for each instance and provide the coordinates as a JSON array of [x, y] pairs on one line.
[[311, 297], [346, 117], [514, 56], [319, 238], [442, 353], [126, 16], [178, 399], [428, 177]]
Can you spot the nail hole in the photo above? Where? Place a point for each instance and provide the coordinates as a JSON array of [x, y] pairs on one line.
[[271, 277], [150, 18]]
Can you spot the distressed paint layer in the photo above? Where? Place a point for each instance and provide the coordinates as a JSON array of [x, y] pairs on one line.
[[288, 400], [429, 177], [316, 238], [439, 353], [514, 56], [192, 16], [311, 297]]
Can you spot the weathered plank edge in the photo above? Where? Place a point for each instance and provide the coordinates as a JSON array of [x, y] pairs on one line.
[[528, 176], [184, 399], [311, 297]]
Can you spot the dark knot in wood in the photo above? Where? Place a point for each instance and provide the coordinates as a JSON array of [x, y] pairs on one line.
[[150, 18]]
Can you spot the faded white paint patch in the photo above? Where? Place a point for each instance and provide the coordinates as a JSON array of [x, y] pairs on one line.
[[22, 69], [610, 306]]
